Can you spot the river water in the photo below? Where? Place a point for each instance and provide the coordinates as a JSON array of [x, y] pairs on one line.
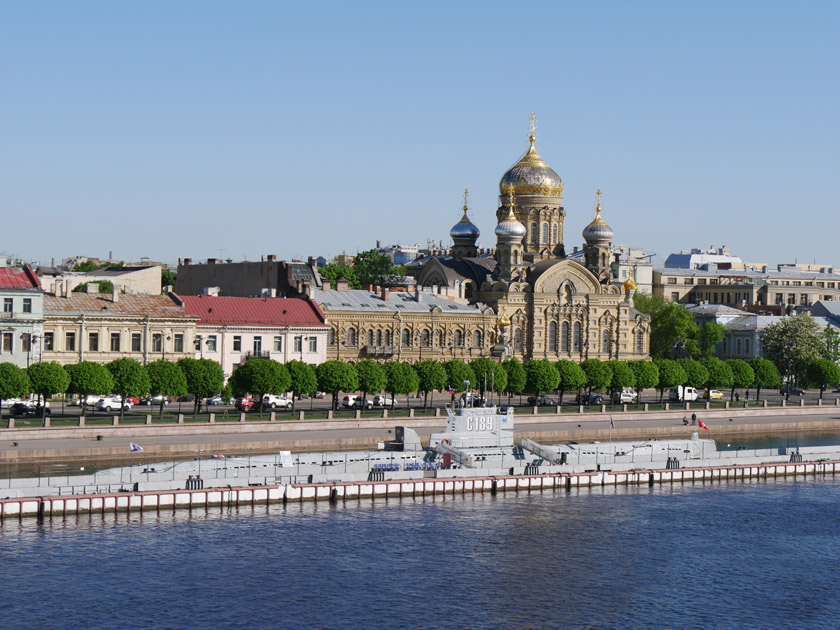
[[760, 554]]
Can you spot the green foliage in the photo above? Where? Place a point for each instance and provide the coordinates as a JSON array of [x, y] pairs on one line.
[[88, 378], [766, 374], [516, 377], [671, 374], [491, 373], [47, 379], [372, 377], [130, 379], [204, 377], [622, 375], [672, 332], [696, 374], [709, 336], [337, 376], [14, 381], [742, 375], [166, 378], [400, 378], [647, 375], [793, 343], [167, 278], [719, 373], [105, 286], [258, 376], [371, 267], [822, 372], [540, 376], [572, 377], [457, 372], [86, 266], [302, 378], [598, 373], [334, 273], [646, 303], [431, 377], [832, 344]]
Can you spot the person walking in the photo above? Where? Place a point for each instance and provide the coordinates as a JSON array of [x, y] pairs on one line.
[[693, 419]]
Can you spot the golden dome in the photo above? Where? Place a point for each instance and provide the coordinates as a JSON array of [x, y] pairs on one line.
[[531, 175], [629, 285], [503, 318]]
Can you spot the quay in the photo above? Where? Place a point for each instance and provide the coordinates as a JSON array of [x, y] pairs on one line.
[[230, 497]]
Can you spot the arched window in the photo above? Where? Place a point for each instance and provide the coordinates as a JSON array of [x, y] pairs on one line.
[[552, 337], [564, 337], [515, 257], [517, 340], [388, 338], [370, 338], [331, 339], [603, 260], [351, 336], [426, 338], [459, 339], [476, 339], [544, 233], [639, 342], [406, 337], [378, 337], [605, 341], [576, 338], [534, 233], [554, 233], [468, 290]]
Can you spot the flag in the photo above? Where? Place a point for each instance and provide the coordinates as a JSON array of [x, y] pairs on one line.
[[702, 425], [135, 448], [452, 390], [612, 422]]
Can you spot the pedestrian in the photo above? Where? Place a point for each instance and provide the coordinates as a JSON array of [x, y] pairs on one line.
[[685, 420], [737, 397], [693, 419]]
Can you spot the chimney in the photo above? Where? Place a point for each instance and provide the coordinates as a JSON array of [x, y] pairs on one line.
[[271, 257], [187, 261], [385, 293], [378, 290], [342, 284], [211, 261], [93, 287], [115, 294]]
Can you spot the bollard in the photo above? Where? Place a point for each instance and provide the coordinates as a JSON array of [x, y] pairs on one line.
[[272, 417], [300, 415], [645, 407], [411, 412], [603, 409], [624, 407], [212, 418], [148, 418], [384, 413], [116, 421], [725, 405], [708, 404], [358, 413], [242, 416], [764, 403], [437, 412], [81, 421], [330, 414], [557, 409], [46, 421], [801, 402], [536, 410], [180, 418]]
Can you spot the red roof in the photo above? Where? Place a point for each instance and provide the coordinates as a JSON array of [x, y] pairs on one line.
[[18, 278], [253, 311]]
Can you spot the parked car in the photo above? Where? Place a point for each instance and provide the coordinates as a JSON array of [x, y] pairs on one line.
[[348, 400], [384, 401], [541, 400], [219, 400], [273, 401], [113, 403], [626, 396], [683, 393], [589, 399], [245, 403], [27, 408], [89, 401], [362, 403], [713, 394], [471, 399], [156, 400], [792, 390]]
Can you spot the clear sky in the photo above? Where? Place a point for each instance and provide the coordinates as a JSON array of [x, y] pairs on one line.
[[235, 129]]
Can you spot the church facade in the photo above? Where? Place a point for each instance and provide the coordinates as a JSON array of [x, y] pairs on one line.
[[547, 305]]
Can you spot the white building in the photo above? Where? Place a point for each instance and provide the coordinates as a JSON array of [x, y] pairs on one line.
[[21, 324]]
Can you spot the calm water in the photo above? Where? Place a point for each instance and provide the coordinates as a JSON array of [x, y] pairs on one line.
[[737, 555]]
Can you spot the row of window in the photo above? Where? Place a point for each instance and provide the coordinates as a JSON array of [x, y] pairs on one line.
[[742, 347], [9, 305], [136, 344], [257, 344], [385, 338], [575, 340], [543, 234]]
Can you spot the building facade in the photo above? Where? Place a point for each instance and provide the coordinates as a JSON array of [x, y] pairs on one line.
[[230, 330], [21, 326]]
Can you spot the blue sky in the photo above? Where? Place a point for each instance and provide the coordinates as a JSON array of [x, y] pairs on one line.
[[206, 129]]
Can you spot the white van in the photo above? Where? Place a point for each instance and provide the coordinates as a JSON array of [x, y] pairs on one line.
[[683, 393]]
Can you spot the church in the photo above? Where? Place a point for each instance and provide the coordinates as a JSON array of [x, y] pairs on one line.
[[547, 305]]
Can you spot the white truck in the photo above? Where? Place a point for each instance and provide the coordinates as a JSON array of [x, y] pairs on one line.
[[683, 393]]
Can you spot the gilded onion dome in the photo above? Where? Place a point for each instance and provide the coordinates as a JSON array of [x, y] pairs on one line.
[[509, 228], [629, 285], [598, 232], [531, 175], [464, 230]]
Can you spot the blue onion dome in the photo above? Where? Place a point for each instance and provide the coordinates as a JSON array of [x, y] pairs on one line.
[[598, 232], [509, 229], [531, 175], [464, 230]]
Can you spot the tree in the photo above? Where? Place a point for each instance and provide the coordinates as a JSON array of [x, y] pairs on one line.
[[130, 379], [742, 375], [166, 379], [647, 375], [792, 344], [258, 377], [832, 344], [672, 332], [334, 273], [647, 303], [720, 375], [371, 267], [766, 374], [167, 279], [708, 337], [336, 376], [87, 378], [14, 381], [457, 373], [400, 378], [598, 374], [302, 379], [516, 377], [622, 376], [431, 376], [572, 377], [696, 374], [372, 377], [489, 375], [204, 377], [105, 286], [540, 376], [47, 379], [822, 372], [671, 374], [86, 266]]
